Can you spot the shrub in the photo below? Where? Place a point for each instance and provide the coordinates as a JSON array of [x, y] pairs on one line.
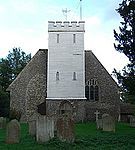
[[4, 104]]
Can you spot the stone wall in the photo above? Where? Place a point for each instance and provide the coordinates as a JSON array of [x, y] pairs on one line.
[[35, 94], [77, 105], [29, 90], [91, 107], [20, 86], [108, 89]]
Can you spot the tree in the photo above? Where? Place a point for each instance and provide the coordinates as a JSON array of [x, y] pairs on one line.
[[5, 74], [10, 67], [125, 43], [4, 104], [17, 60]]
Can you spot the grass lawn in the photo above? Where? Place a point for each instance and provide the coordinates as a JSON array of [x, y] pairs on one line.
[[87, 138]]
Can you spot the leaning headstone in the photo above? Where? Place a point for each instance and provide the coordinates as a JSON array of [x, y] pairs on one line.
[[132, 121], [65, 128], [44, 129], [13, 132], [2, 122], [108, 123], [99, 124]]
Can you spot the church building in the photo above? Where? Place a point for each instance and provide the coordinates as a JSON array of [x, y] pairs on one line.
[[64, 78]]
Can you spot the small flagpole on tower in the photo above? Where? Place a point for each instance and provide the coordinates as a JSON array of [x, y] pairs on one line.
[[80, 9]]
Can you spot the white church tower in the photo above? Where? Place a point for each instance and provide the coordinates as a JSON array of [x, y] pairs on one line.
[[66, 64]]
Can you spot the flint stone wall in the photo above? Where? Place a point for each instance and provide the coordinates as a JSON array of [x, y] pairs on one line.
[[20, 89], [108, 89], [52, 107], [29, 89]]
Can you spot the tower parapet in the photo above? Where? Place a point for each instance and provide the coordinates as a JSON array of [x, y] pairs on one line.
[[60, 26]]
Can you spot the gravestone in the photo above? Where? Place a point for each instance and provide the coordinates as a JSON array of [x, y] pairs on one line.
[[44, 129], [13, 132], [65, 128], [132, 121], [108, 123], [97, 113], [99, 124], [32, 124], [2, 122], [32, 127], [98, 121]]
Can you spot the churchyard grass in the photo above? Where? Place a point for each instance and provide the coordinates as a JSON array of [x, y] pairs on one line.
[[87, 137]]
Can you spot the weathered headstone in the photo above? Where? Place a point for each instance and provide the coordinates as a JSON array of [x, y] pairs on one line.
[[108, 123], [32, 124], [132, 121], [32, 127], [65, 128], [99, 124], [2, 122], [13, 132], [44, 128], [97, 113]]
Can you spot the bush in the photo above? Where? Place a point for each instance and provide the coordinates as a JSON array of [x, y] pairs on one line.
[[4, 104]]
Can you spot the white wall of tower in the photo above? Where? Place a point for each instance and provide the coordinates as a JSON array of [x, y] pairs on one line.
[[66, 56]]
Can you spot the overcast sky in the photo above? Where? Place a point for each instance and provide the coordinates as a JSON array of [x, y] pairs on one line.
[[24, 23]]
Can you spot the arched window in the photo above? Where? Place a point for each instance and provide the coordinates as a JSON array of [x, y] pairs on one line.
[[57, 76], [92, 90]]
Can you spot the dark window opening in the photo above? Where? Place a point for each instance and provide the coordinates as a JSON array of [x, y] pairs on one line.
[[87, 92], [74, 38], [57, 76], [74, 76], [58, 36], [92, 90]]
